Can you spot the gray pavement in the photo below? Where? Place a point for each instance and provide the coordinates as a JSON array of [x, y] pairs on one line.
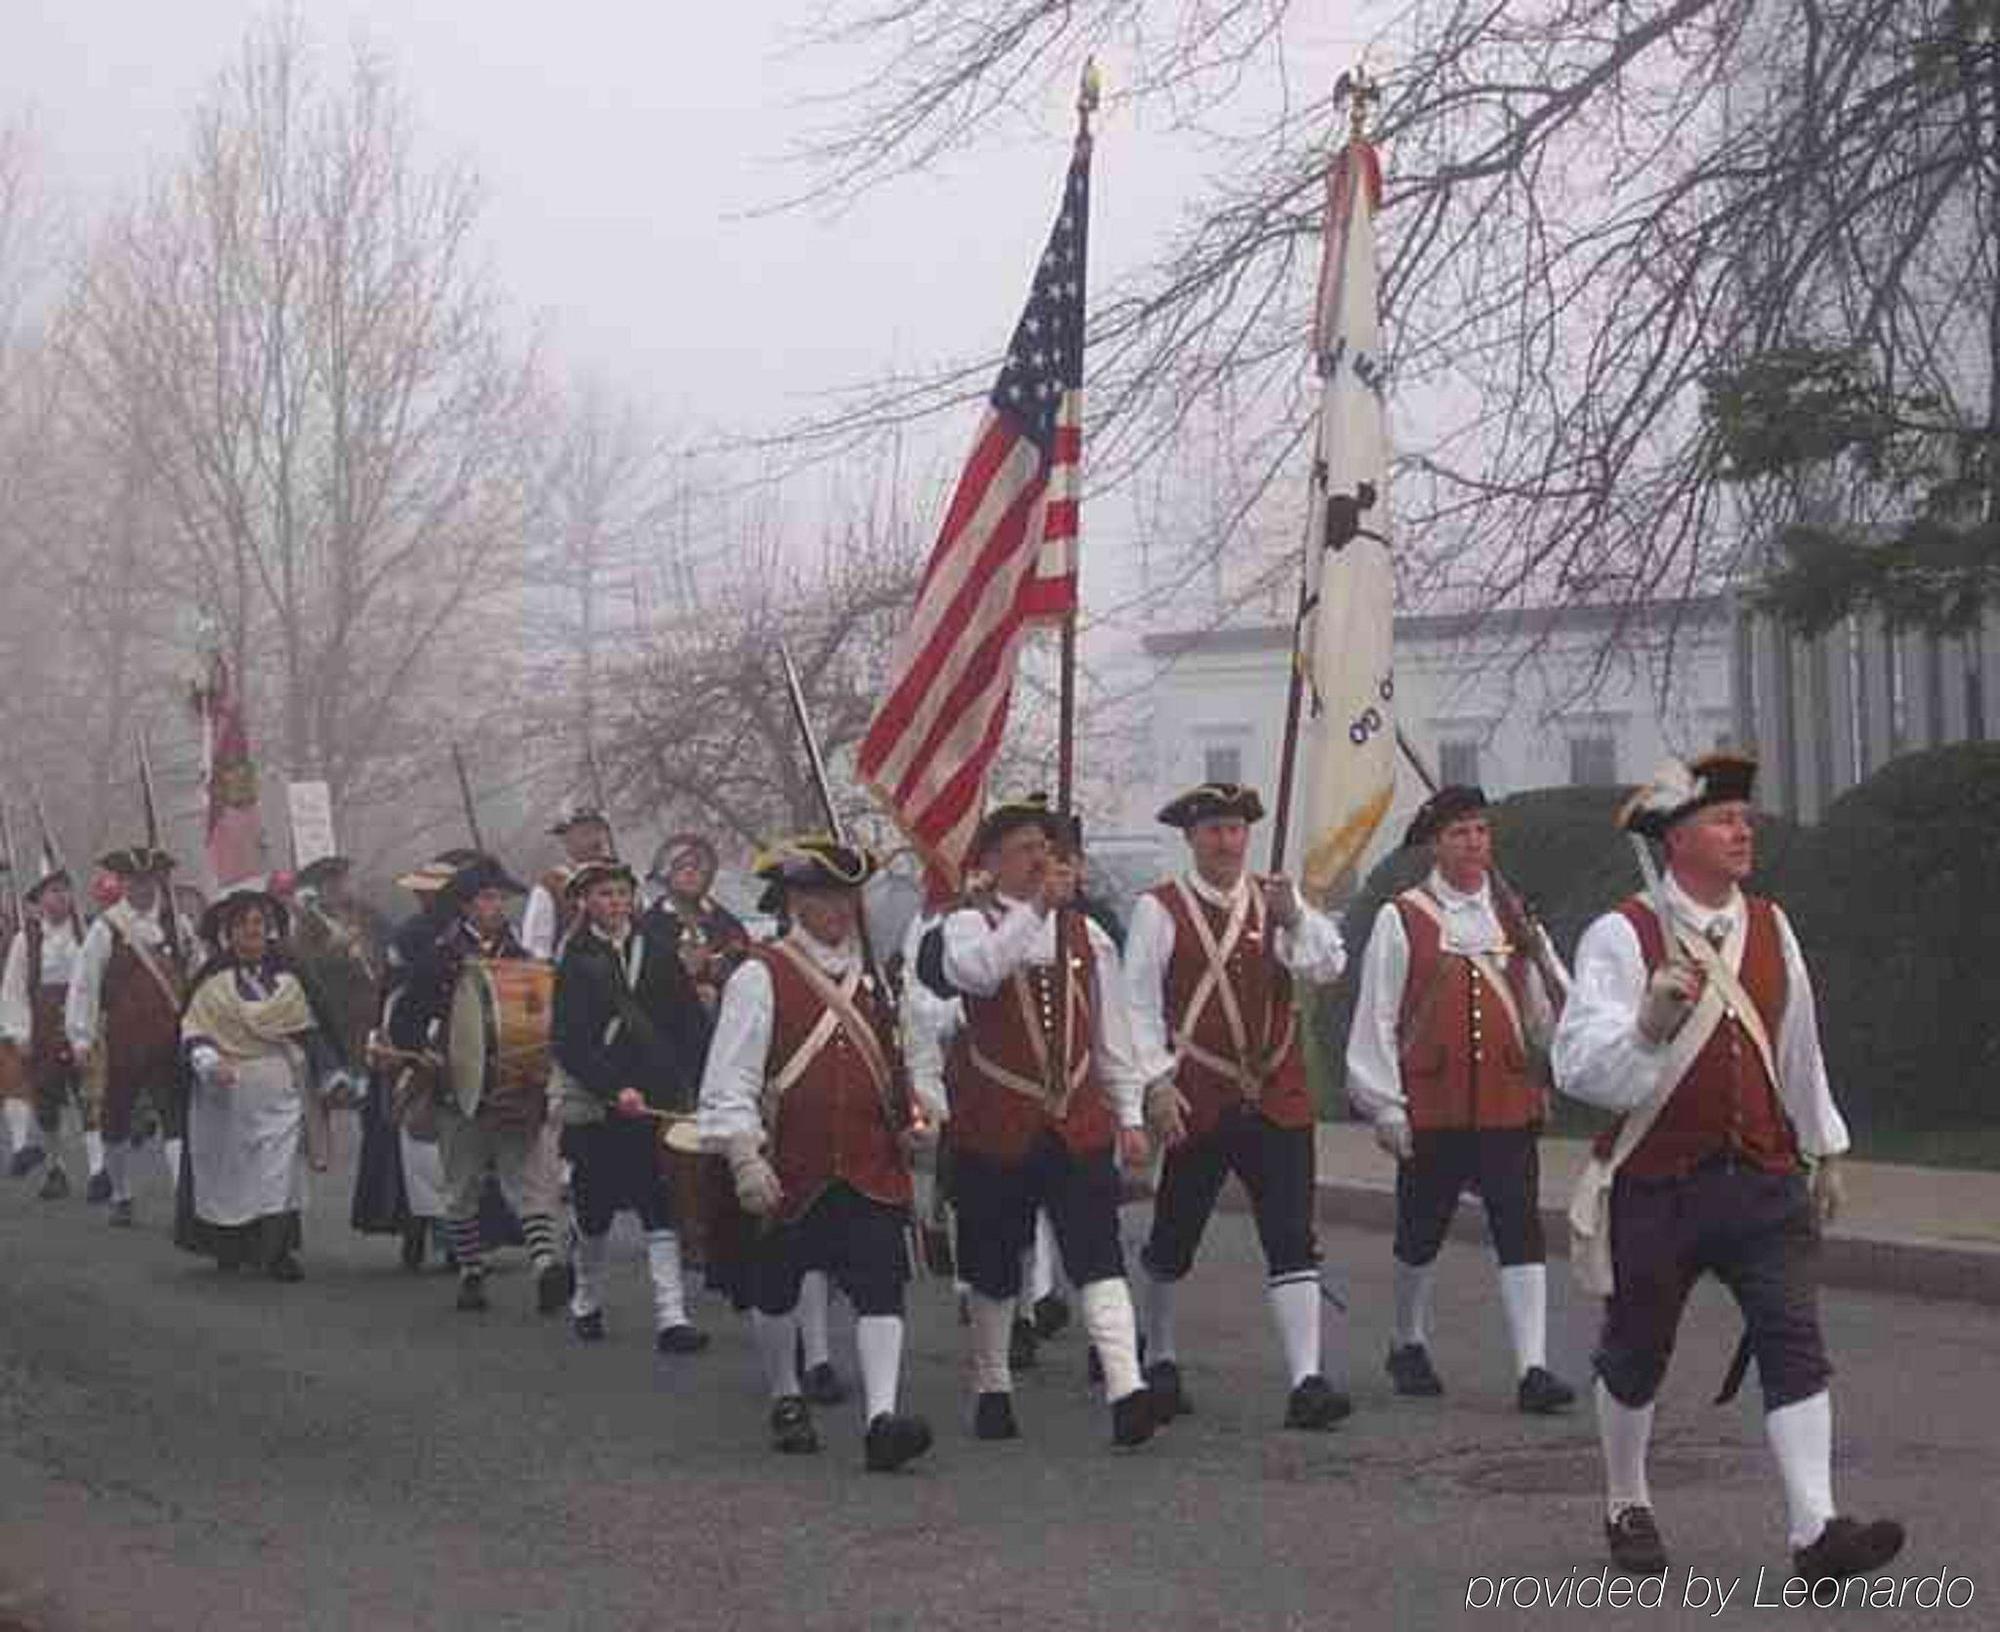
[[182, 1451]]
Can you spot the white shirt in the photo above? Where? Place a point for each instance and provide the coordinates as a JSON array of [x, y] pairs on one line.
[[1312, 952], [732, 1082], [539, 923], [1374, 1056], [929, 1024], [59, 949], [979, 958], [1601, 1059], [86, 987]]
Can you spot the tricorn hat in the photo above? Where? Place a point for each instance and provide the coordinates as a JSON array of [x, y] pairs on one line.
[[317, 872], [812, 861], [579, 815], [587, 875], [483, 873], [1026, 810], [136, 861], [1210, 801], [1677, 790], [1442, 808], [436, 873], [223, 912], [32, 895]]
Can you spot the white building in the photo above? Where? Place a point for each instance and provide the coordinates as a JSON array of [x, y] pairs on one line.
[[1509, 700]]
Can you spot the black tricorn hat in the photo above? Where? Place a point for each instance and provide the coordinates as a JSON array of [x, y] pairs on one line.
[[1678, 790], [485, 873], [1212, 800], [1443, 808], [812, 861], [325, 867], [587, 875], [1028, 810], [223, 912], [136, 861]]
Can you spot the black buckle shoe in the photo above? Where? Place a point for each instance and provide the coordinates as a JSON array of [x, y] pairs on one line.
[[285, 1268], [1848, 1547], [1170, 1398], [55, 1184], [552, 1287], [1051, 1315], [98, 1190], [681, 1339], [26, 1160], [893, 1440], [1315, 1405], [993, 1417], [121, 1215], [1135, 1417], [1409, 1366], [1543, 1392], [588, 1328], [472, 1293], [822, 1384], [415, 1235], [1022, 1344], [792, 1427], [1634, 1540]]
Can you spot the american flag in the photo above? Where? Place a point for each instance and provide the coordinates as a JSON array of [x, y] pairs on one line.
[[1004, 560]]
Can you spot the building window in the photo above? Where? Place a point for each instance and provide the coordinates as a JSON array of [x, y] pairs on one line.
[[1222, 762], [1458, 764], [1593, 761]]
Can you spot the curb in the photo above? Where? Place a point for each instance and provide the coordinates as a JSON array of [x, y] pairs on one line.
[[1918, 1266]]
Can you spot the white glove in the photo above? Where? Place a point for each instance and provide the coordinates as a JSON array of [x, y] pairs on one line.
[[1671, 994], [1392, 1133], [1166, 1111], [758, 1191]]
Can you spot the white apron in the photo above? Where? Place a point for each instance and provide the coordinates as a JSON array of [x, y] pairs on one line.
[[246, 1142]]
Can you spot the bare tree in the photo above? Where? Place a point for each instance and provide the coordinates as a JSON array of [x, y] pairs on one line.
[[1590, 210], [292, 339]]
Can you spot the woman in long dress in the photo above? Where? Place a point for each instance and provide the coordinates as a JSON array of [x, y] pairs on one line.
[[258, 1061]]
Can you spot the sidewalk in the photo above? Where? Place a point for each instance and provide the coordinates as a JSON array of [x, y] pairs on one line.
[[1933, 1232]]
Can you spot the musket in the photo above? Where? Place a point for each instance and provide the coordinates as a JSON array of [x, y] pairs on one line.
[[52, 854], [903, 1105], [465, 798], [8, 856], [170, 917]]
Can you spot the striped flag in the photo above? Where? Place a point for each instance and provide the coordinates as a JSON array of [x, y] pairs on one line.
[[235, 839], [1351, 764], [1005, 560]]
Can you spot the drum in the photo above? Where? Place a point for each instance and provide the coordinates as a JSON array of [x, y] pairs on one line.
[[691, 1176], [497, 1039]]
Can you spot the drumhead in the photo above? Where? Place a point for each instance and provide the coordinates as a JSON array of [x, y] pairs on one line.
[[469, 1038], [680, 1136]]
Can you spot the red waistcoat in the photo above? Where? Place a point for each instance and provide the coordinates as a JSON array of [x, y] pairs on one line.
[[141, 1021], [1267, 1066], [830, 1124], [1464, 1060], [995, 1076], [1726, 1103]]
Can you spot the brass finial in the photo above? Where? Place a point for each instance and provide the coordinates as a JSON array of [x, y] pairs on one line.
[[1360, 90], [1089, 90]]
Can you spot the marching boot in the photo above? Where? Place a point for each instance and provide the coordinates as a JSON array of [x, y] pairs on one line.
[[1634, 1539], [55, 1183], [893, 1440], [1134, 1417], [1315, 1405], [1542, 1393], [472, 1292], [993, 1417], [792, 1427], [1409, 1366], [1848, 1547], [1170, 1397]]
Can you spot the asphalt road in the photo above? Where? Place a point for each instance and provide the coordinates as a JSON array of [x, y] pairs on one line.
[[184, 1451]]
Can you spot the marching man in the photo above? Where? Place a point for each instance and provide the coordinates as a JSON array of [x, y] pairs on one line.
[[1692, 1016], [33, 994], [552, 912], [1025, 1133], [1451, 1009], [1209, 964], [806, 1095]]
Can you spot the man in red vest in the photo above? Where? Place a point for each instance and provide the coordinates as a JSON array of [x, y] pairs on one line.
[[1450, 1012], [805, 1093], [1040, 1098], [1692, 1016], [1210, 962]]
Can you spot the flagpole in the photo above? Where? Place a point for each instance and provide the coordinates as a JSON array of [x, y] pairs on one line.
[[1087, 92], [1361, 93]]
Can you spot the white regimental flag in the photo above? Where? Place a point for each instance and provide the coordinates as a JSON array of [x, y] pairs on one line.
[[1348, 636]]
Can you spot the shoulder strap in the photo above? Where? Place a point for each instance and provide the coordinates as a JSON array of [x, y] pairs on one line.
[[838, 1010]]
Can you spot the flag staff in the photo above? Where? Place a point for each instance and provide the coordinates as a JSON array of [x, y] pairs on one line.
[[1361, 92], [1089, 88]]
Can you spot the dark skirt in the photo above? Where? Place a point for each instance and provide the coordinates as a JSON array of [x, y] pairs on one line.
[[381, 1204]]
